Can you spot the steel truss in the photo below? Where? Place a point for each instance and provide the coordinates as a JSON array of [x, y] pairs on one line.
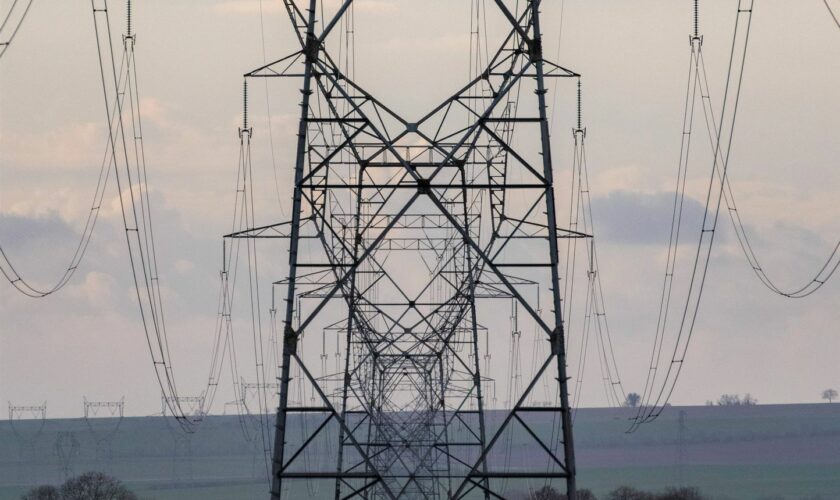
[[397, 229]]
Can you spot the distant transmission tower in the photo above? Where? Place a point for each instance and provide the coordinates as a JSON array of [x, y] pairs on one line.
[[404, 233], [66, 449], [182, 457], [254, 420], [27, 423], [103, 433], [681, 448]]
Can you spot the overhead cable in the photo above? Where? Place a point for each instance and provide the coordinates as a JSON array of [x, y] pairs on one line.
[[831, 13], [8, 269], [4, 44], [657, 394], [824, 272]]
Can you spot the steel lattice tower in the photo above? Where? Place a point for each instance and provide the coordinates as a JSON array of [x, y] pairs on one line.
[[400, 231]]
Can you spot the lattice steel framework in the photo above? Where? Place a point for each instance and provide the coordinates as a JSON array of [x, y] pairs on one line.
[[400, 230]]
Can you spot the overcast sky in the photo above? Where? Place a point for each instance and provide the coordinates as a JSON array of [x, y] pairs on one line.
[[87, 340]]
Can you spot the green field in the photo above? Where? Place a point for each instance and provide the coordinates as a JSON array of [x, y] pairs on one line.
[[762, 452], [725, 482]]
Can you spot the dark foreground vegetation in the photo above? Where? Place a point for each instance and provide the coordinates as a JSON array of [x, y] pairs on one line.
[[628, 493], [99, 486], [621, 493], [88, 486]]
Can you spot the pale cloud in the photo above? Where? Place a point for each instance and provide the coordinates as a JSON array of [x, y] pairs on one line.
[[246, 7], [426, 45], [251, 7], [287, 124], [633, 98], [627, 217], [66, 146], [379, 6], [97, 289], [183, 266], [70, 203], [152, 109], [112, 206], [624, 178], [455, 42]]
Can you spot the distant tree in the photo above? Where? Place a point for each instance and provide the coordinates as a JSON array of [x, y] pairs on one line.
[[628, 493], [546, 493], [95, 486], [549, 493], [829, 394], [729, 400], [632, 400], [44, 492], [680, 494], [735, 400], [586, 495]]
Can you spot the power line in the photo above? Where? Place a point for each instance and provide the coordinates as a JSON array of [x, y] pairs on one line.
[[128, 155], [655, 400], [824, 272], [831, 13], [595, 316], [8, 269], [607, 358], [4, 45]]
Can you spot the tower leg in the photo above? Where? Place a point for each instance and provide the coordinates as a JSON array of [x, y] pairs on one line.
[[558, 337], [290, 336]]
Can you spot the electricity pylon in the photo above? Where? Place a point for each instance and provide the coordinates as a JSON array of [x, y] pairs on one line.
[[67, 450], [27, 435], [402, 235], [103, 434], [193, 406]]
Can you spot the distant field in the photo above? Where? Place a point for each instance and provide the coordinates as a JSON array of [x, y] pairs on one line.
[[762, 452]]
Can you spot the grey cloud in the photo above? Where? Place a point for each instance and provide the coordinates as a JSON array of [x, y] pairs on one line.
[[640, 218], [40, 248], [21, 233]]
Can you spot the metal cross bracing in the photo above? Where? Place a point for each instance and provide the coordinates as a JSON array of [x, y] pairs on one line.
[[404, 234]]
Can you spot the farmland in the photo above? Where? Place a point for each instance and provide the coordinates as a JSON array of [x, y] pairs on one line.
[[757, 452]]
